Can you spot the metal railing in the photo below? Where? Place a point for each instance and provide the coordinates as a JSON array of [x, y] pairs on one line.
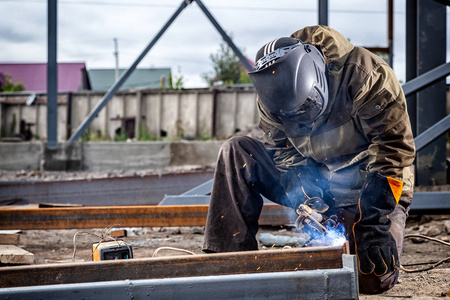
[[419, 83]]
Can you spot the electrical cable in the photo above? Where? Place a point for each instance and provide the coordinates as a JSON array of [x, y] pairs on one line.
[[420, 263], [434, 265], [173, 249], [102, 235]]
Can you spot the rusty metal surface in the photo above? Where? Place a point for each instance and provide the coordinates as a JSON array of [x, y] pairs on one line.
[[173, 267], [133, 190], [339, 283], [126, 216]]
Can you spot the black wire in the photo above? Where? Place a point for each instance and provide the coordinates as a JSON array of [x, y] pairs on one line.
[[421, 263], [431, 265]]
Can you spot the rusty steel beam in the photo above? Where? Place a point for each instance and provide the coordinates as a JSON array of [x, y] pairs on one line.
[[245, 262], [125, 216], [339, 283]]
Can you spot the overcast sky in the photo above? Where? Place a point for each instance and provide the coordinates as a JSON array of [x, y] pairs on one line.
[[87, 28]]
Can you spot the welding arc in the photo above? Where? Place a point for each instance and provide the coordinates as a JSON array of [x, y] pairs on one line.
[[428, 267]]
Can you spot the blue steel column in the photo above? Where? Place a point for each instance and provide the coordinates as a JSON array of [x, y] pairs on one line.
[[391, 32], [323, 12], [124, 76], [431, 102], [411, 58], [52, 76]]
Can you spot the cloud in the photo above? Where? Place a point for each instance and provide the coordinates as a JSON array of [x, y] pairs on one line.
[[21, 25], [86, 29]]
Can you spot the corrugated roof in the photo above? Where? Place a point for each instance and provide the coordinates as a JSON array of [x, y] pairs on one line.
[[71, 76], [103, 79]]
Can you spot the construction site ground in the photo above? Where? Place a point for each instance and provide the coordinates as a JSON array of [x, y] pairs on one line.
[[57, 246]]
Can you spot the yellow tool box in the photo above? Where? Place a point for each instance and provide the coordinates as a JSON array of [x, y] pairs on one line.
[[111, 250]]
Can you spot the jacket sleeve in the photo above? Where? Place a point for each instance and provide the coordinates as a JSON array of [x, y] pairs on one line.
[[277, 143], [380, 109]]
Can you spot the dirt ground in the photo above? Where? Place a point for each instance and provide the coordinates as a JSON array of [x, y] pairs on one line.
[[56, 246]]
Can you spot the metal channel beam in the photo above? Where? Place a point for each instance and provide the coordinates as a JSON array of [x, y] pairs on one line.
[[431, 203], [318, 284], [176, 266], [52, 75], [93, 114], [423, 202], [133, 190], [315, 284], [194, 199], [432, 133], [101, 217], [203, 189], [185, 200], [168, 216], [126, 216], [426, 79], [225, 36]]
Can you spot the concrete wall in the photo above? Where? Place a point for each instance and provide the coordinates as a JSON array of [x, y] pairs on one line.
[[13, 109], [21, 156], [104, 156], [197, 114]]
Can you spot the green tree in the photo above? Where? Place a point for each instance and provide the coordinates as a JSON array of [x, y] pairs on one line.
[[176, 82], [179, 82], [227, 67], [244, 77], [6, 84]]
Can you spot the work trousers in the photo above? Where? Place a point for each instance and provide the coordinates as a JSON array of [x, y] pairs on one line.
[[245, 171]]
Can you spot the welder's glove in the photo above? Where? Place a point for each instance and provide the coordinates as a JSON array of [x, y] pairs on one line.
[[375, 247], [303, 186]]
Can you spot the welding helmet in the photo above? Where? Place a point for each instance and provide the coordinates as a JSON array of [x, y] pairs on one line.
[[289, 78]]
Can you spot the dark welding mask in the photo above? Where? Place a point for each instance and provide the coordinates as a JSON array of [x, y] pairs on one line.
[[289, 78]]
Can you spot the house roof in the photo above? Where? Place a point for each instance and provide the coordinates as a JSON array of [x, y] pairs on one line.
[[71, 76], [103, 79]]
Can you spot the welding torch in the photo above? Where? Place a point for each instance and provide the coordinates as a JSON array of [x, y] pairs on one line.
[[306, 215]]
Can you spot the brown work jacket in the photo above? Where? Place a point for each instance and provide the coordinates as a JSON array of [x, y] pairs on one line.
[[365, 126]]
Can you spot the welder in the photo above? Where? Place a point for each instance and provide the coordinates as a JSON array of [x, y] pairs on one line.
[[337, 138]]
